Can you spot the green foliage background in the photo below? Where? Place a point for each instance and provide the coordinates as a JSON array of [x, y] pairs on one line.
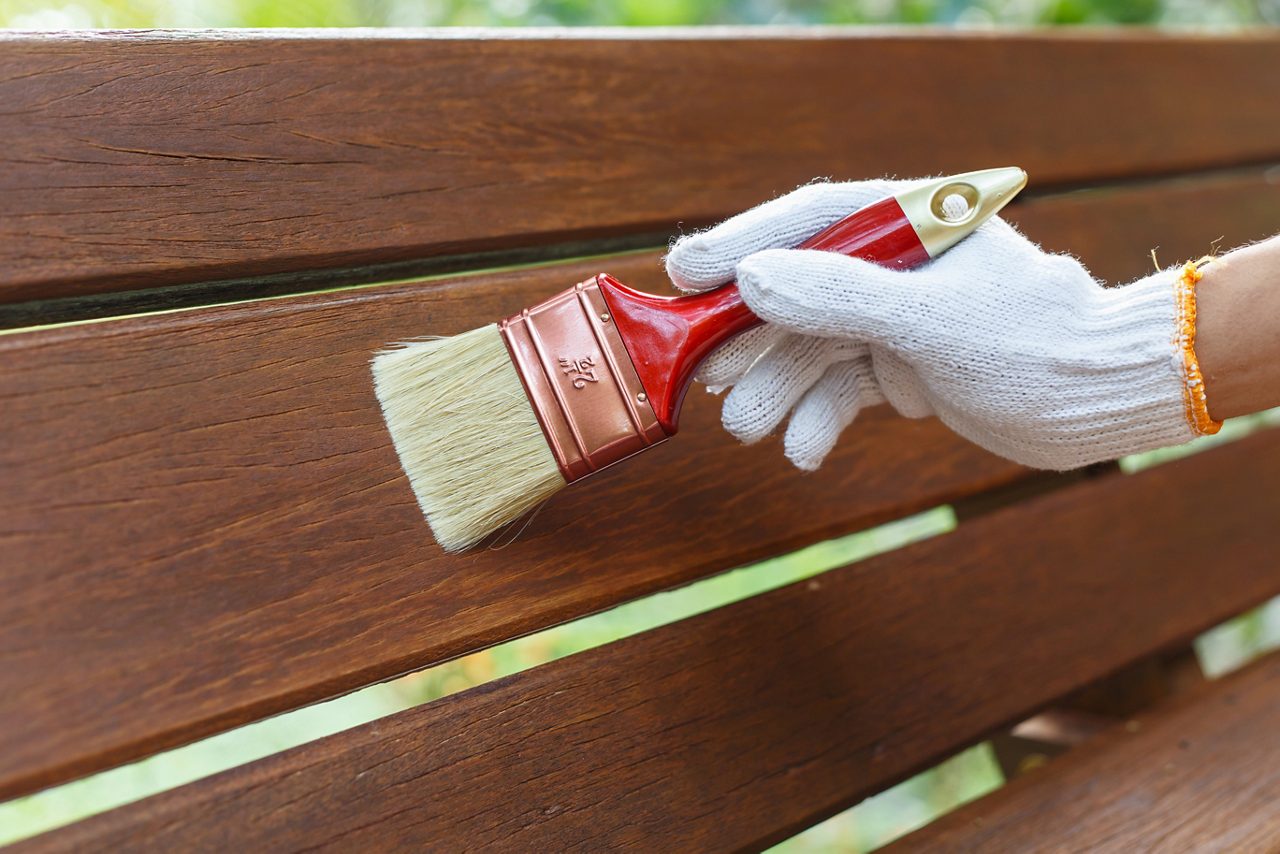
[[63, 14]]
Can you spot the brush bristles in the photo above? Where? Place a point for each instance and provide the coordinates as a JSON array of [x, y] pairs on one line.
[[466, 434]]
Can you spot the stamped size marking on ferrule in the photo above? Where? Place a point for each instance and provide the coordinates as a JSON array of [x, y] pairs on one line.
[[582, 370]]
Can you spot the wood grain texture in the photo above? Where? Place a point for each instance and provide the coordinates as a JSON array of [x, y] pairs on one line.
[[734, 729], [1199, 775], [1178, 219], [140, 160], [223, 476]]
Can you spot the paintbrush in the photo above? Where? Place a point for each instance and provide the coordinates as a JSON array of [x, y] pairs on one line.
[[490, 423]]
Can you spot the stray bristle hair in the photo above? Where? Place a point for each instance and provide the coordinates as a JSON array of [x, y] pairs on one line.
[[466, 434]]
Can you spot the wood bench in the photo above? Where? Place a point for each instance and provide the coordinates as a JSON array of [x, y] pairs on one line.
[[203, 523]]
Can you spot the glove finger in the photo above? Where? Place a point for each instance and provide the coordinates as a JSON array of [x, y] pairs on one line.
[[730, 361], [827, 294], [831, 405], [833, 296], [761, 400], [900, 384], [697, 262]]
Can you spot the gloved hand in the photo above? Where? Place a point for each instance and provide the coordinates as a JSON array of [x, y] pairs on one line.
[[1017, 350]]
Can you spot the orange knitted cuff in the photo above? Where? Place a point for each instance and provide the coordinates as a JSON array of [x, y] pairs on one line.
[[1193, 396]]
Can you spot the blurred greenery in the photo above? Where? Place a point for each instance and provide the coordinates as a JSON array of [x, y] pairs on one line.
[[911, 804], [865, 827], [73, 14]]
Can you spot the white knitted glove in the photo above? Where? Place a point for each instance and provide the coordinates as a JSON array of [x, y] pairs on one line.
[[1017, 350]]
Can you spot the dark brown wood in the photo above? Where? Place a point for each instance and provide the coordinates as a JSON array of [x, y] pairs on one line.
[[223, 475], [1094, 708], [1036, 483], [1199, 775], [142, 160], [736, 728], [1032, 743], [1211, 213], [1142, 685]]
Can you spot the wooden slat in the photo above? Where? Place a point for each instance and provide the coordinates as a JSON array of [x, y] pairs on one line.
[[223, 476], [736, 728], [1199, 775], [141, 160], [1179, 219]]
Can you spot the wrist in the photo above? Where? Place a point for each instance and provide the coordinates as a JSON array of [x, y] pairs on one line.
[[1238, 299]]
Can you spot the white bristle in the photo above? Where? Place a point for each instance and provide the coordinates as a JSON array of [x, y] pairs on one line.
[[466, 434]]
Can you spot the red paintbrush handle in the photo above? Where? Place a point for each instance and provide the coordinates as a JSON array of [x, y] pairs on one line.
[[668, 337]]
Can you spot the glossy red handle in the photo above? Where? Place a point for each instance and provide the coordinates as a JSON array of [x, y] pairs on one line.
[[668, 337]]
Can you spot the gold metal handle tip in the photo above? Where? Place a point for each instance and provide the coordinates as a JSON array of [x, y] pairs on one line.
[[944, 211]]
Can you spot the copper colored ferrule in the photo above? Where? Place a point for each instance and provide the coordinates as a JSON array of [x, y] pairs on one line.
[[583, 387]]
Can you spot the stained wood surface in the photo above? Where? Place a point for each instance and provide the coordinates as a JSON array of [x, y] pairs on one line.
[[1200, 775], [223, 476], [1086, 713], [142, 160], [1178, 219], [731, 730]]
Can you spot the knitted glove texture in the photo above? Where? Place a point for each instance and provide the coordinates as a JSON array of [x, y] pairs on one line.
[[1016, 349]]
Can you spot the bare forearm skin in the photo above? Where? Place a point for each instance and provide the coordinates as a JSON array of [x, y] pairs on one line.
[[1238, 330]]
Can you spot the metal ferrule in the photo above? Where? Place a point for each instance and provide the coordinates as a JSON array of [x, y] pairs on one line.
[[580, 380]]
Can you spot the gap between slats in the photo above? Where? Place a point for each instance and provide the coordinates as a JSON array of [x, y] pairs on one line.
[[1197, 773], [26, 316], [267, 406], [379, 151], [24, 817], [63, 805], [1180, 605]]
